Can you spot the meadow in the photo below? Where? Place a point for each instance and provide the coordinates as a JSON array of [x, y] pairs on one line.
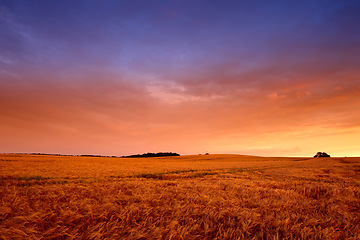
[[185, 197]]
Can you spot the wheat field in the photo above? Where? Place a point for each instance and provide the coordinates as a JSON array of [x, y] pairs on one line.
[[185, 197]]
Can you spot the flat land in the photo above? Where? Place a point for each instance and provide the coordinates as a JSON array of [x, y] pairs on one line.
[[186, 197]]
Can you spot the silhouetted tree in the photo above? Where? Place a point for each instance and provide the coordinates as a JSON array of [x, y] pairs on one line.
[[321, 154], [160, 154]]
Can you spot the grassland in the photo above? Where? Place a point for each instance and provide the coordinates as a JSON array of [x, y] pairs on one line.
[[187, 197]]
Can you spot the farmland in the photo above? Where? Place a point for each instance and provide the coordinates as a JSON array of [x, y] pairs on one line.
[[185, 197]]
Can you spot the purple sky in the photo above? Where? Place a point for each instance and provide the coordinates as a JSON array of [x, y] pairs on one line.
[[124, 77]]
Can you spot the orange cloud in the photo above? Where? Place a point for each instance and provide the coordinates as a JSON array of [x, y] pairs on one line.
[[119, 118]]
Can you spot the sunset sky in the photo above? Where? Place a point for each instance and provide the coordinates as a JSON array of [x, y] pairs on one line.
[[268, 78]]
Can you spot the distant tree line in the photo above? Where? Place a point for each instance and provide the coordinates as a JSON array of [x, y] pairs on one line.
[[159, 154], [67, 155]]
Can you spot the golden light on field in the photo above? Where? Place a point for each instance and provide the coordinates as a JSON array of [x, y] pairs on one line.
[[187, 197], [247, 92]]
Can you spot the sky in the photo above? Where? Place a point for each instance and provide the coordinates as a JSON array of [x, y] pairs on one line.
[[267, 78]]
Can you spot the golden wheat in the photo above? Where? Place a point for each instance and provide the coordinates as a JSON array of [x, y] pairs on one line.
[[190, 197]]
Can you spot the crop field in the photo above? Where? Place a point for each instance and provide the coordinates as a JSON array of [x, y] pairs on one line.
[[185, 197]]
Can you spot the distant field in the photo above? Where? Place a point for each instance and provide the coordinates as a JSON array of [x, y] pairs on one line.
[[185, 197]]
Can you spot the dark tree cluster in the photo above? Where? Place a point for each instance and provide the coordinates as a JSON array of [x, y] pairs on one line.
[[321, 154], [160, 154]]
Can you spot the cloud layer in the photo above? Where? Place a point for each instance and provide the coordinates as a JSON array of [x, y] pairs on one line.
[[131, 77]]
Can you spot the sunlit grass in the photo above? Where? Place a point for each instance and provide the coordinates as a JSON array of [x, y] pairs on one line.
[[191, 197]]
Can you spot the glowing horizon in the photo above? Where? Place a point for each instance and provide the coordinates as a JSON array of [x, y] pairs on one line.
[[122, 78]]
